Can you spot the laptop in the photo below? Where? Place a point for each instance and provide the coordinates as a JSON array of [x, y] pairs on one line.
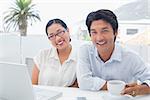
[[15, 84]]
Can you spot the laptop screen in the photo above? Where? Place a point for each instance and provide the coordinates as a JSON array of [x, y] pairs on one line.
[[15, 84]]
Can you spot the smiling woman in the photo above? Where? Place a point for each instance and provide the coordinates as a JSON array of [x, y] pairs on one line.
[[56, 66]]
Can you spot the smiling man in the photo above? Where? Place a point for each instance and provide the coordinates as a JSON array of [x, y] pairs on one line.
[[106, 60]]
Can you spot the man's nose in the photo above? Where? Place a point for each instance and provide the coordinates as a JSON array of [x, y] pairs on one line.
[[99, 36]]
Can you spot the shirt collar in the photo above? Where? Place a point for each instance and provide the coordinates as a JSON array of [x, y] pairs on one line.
[[73, 53], [54, 53], [96, 52], [116, 55], [72, 56]]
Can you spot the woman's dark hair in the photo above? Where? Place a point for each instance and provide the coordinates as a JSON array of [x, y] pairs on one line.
[[57, 21], [105, 15]]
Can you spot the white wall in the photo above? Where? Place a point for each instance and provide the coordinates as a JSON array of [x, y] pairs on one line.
[[10, 47], [12, 51]]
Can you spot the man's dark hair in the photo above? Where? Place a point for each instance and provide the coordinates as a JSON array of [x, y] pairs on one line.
[[102, 14]]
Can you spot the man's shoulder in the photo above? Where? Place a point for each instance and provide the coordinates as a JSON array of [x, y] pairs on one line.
[[128, 52]]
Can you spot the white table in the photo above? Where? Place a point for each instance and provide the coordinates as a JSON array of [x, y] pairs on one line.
[[70, 93]]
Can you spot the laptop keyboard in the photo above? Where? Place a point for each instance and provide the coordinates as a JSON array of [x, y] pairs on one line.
[[43, 94], [41, 97]]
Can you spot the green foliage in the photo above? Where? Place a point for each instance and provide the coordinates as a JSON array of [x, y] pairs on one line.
[[20, 15]]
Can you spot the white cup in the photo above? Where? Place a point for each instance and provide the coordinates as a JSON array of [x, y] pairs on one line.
[[115, 86]]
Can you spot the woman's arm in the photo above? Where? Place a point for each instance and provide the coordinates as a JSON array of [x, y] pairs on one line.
[[35, 75]]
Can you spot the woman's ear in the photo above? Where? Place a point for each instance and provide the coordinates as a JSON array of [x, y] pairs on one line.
[[69, 34], [67, 29]]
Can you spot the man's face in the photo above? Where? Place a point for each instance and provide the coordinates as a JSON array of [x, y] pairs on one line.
[[102, 36]]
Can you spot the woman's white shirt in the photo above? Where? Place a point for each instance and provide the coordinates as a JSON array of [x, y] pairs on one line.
[[52, 72]]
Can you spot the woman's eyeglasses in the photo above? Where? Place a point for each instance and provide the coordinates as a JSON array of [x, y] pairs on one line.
[[60, 34]]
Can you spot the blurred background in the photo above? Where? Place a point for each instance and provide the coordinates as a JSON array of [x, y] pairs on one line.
[[133, 16]]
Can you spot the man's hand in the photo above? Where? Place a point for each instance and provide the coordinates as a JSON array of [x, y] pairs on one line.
[[135, 89]]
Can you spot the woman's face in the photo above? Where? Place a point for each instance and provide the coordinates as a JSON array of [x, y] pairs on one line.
[[59, 36]]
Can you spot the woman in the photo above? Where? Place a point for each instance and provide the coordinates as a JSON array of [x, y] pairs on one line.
[[56, 66]]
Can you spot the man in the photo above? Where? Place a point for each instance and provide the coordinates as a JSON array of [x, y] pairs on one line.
[[105, 60]]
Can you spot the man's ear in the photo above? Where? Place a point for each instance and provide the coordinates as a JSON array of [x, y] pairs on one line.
[[116, 33]]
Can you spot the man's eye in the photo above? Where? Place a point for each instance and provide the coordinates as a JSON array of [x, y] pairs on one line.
[[105, 30], [93, 32]]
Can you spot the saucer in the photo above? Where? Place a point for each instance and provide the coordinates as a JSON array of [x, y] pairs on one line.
[[117, 97]]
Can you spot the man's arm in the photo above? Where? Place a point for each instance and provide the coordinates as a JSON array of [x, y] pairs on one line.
[[141, 72], [136, 89], [86, 79], [75, 84], [104, 86]]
